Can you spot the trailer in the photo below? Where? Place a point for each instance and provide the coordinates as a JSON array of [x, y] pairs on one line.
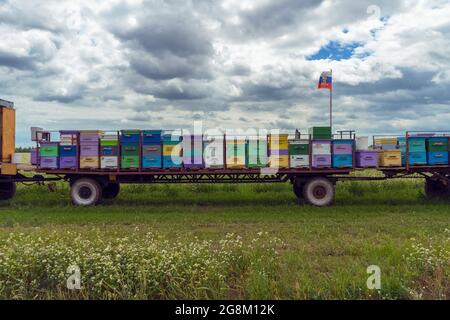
[[313, 185]]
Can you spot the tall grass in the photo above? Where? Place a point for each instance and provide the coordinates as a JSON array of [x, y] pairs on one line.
[[34, 266]]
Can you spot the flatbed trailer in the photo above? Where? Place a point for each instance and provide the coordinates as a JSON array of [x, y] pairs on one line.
[[315, 186]]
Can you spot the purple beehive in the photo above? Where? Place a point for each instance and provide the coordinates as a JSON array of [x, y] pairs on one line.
[[68, 162], [89, 139], [193, 162], [367, 159], [279, 152], [89, 151], [34, 157], [49, 163], [321, 161]]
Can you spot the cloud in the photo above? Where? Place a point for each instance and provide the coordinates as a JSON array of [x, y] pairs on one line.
[[136, 63]]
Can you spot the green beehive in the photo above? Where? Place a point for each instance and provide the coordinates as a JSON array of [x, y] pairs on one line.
[[130, 162], [320, 133], [437, 144], [298, 148], [130, 150], [49, 150], [256, 154]]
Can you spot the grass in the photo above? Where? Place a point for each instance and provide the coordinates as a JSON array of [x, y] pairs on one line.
[[324, 253]]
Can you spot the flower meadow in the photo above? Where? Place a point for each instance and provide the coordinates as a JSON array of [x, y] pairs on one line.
[[431, 263], [35, 266]]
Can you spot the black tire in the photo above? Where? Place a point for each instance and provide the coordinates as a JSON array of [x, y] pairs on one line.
[[297, 186], [319, 192], [7, 190], [435, 189], [111, 190], [86, 192]]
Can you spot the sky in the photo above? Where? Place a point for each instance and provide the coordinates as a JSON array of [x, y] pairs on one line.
[[150, 64]]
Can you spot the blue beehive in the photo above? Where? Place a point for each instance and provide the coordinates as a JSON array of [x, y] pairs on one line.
[[130, 137], [416, 148], [172, 162], [151, 137], [342, 153], [149, 162], [438, 157], [342, 160]]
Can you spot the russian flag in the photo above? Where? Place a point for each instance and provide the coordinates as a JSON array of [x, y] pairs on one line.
[[326, 81]]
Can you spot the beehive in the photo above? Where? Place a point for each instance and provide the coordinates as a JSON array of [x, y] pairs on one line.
[[320, 133], [390, 158], [214, 152], [299, 153]]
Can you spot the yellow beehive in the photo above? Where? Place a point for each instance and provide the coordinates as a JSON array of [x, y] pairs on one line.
[[237, 162], [89, 162], [278, 142], [172, 150], [390, 158], [279, 161]]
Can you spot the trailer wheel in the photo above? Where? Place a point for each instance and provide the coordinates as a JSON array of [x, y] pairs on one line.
[[86, 192], [7, 190], [435, 189], [111, 190], [297, 186], [319, 192]]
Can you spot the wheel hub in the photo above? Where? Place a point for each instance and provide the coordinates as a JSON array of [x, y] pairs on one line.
[[85, 192], [319, 192]]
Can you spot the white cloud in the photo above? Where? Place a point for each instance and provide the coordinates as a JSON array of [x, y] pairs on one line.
[[165, 63]]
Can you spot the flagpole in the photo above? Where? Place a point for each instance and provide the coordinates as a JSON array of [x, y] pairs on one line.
[[331, 101]]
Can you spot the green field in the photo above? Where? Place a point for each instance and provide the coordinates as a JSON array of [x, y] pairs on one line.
[[227, 241]]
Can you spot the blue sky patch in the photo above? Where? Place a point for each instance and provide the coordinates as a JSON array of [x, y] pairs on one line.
[[335, 50]]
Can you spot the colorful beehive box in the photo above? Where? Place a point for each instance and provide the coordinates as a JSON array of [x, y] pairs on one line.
[[437, 144], [172, 162], [390, 158], [68, 138], [414, 158], [89, 162], [213, 152], [386, 143], [256, 152], [235, 152], [321, 153], [90, 137], [111, 140], [49, 149], [129, 162], [68, 151], [151, 137], [321, 160], [152, 162], [128, 137], [438, 158], [109, 162], [49, 162], [278, 142], [417, 151], [342, 150], [68, 162], [34, 156], [367, 158], [279, 161], [89, 150], [193, 151], [299, 151], [321, 147], [320, 133]]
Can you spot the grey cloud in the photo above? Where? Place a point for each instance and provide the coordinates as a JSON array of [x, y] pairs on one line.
[[168, 66], [16, 62]]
